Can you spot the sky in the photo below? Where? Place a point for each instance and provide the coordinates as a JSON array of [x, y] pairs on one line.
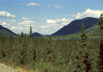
[[45, 16]]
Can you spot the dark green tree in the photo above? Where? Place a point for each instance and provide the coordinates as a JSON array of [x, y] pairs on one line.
[[84, 65], [101, 44], [16, 53], [83, 36], [30, 32], [22, 35], [49, 49], [24, 50]]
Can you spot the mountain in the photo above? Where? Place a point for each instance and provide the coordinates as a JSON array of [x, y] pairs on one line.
[[36, 34], [6, 32], [75, 26], [93, 31]]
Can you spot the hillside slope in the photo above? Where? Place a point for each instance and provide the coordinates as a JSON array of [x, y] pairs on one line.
[[75, 26], [6, 32]]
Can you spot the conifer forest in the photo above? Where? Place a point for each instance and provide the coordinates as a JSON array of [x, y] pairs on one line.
[[54, 55]]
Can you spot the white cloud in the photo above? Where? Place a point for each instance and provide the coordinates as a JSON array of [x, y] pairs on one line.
[[27, 22], [7, 22], [19, 29], [51, 21], [53, 25], [61, 21], [11, 21], [46, 26], [14, 28], [4, 23], [24, 26], [56, 23], [6, 14], [25, 18], [88, 13], [32, 4], [58, 6]]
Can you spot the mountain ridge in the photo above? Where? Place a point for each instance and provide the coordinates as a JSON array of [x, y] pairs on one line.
[[75, 26], [6, 32], [36, 34]]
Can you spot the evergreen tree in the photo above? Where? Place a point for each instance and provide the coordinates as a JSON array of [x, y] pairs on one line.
[[84, 65], [49, 50], [83, 36], [31, 53], [30, 32], [101, 26], [1, 49], [31, 42], [101, 44], [17, 49], [22, 35], [24, 50]]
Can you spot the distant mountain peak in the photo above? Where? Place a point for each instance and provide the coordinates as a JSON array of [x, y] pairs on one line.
[[36, 34]]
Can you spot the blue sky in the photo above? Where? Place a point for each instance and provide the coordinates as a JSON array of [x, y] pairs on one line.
[[45, 16]]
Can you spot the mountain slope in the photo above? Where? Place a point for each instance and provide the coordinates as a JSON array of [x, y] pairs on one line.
[[75, 26], [93, 31], [37, 34], [6, 32]]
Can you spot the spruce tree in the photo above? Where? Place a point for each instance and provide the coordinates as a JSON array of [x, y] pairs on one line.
[[101, 44], [84, 65], [22, 35], [30, 32], [1, 49], [16, 49], [101, 26], [83, 36], [49, 50], [31, 41], [24, 50]]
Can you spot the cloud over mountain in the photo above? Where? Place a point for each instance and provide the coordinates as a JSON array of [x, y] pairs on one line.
[[88, 13]]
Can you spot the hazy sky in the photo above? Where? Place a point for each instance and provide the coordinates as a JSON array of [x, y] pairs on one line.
[[45, 16]]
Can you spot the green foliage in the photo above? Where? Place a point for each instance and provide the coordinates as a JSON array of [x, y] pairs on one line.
[[48, 54]]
